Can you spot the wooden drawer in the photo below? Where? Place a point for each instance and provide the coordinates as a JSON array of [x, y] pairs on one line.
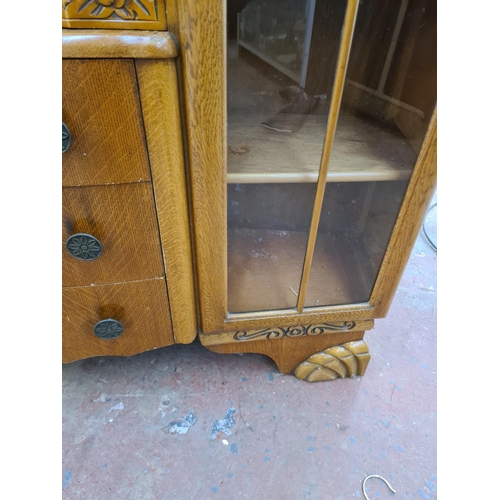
[[123, 219], [141, 308], [101, 109]]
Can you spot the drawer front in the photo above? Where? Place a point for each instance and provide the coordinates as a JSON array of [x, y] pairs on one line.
[[140, 311], [101, 111], [121, 220]]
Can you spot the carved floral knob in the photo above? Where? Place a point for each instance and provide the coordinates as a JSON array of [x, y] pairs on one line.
[[83, 246], [108, 329]]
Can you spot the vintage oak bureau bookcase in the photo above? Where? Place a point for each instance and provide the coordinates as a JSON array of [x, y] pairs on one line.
[[251, 172]]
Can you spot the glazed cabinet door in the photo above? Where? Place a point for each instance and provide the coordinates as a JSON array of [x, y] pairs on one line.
[[311, 135]]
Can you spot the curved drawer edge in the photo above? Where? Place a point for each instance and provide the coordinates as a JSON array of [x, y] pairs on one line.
[[89, 43]]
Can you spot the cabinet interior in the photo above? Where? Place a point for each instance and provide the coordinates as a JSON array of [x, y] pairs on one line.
[[281, 60]]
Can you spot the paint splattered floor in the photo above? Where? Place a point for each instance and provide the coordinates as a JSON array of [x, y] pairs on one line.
[[184, 423]]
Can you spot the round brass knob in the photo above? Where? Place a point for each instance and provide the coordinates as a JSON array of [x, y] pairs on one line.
[[108, 329], [83, 246]]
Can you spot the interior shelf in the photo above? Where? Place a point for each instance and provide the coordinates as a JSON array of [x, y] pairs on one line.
[[362, 150], [269, 60]]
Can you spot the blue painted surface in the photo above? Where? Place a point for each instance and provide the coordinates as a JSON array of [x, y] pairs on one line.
[[430, 485], [67, 479]]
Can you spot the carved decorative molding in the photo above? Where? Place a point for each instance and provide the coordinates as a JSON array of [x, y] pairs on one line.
[[340, 361], [282, 332], [293, 331], [122, 14]]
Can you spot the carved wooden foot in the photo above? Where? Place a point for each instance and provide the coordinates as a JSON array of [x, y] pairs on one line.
[[289, 353], [346, 360]]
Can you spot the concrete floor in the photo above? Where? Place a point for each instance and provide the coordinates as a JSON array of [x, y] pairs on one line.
[[184, 423]]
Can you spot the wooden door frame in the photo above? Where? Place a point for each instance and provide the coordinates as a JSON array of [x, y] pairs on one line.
[[200, 28]]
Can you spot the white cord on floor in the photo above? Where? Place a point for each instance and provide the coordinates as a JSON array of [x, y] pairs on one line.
[[433, 245]]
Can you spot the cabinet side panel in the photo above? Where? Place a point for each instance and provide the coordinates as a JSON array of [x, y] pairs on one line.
[[408, 223], [201, 34], [160, 106]]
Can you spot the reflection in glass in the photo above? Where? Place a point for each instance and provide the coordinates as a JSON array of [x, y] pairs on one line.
[[278, 70], [388, 100], [281, 58]]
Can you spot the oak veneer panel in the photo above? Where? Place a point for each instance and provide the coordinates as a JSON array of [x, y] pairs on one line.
[[141, 307], [411, 216], [287, 353], [161, 109], [201, 35], [102, 112], [123, 219]]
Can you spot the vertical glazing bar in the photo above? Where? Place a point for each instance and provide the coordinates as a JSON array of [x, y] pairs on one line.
[[338, 86]]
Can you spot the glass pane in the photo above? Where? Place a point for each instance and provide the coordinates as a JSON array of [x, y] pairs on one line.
[[388, 100], [281, 57]]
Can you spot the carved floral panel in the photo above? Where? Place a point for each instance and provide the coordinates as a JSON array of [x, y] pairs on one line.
[[127, 14]]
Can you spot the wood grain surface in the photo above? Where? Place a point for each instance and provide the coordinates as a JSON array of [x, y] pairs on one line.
[[418, 196], [101, 109], [118, 14], [141, 307], [123, 219], [201, 35], [108, 44], [287, 353], [161, 110]]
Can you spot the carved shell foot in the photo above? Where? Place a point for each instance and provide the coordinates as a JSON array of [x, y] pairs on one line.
[[346, 360]]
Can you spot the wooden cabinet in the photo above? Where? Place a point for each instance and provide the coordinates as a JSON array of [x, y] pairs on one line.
[[307, 153], [312, 154], [128, 283]]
